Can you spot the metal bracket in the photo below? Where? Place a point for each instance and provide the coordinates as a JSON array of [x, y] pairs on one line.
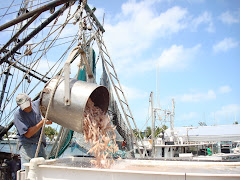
[[87, 66], [67, 72]]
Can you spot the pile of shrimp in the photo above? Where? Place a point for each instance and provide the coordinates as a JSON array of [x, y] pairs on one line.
[[100, 133]]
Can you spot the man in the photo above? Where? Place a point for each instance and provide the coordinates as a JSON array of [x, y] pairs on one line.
[[124, 145], [29, 122], [209, 150]]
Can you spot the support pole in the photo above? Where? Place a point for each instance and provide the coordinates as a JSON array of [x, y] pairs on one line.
[[5, 130], [24, 70], [172, 115], [94, 18], [32, 13], [19, 32], [153, 126], [3, 88]]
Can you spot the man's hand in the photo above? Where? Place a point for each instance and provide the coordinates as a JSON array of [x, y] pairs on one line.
[[32, 130], [48, 122]]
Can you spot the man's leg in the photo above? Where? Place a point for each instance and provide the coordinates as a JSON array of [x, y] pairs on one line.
[[42, 152], [26, 153]]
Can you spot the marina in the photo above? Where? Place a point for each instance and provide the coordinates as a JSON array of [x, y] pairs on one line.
[[89, 120]]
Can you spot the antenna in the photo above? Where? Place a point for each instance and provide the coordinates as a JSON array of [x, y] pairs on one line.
[[214, 119], [235, 116], [157, 86], [156, 82]]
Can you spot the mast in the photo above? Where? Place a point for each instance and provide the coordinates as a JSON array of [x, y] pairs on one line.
[[172, 118], [3, 89], [153, 125], [24, 14]]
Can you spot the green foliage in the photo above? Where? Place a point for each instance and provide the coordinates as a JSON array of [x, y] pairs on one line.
[[148, 131], [202, 123], [236, 122], [136, 133], [160, 130], [50, 132]]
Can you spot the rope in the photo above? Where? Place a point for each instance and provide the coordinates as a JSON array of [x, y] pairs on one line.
[[44, 122], [7, 10], [36, 45], [64, 54], [40, 56], [58, 147], [18, 11], [50, 101], [147, 117]]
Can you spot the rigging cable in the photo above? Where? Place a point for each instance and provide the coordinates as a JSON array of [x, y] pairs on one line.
[[46, 116], [32, 66], [56, 64], [7, 10], [36, 61], [21, 4], [62, 55], [54, 40], [147, 117], [31, 49], [54, 90], [44, 43]]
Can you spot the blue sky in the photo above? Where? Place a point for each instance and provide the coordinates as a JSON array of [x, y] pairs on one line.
[[186, 50], [194, 44]]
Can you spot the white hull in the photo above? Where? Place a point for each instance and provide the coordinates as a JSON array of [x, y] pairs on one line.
[[70, 168]]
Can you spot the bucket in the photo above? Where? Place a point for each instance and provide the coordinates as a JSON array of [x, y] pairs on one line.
[[72, 116]]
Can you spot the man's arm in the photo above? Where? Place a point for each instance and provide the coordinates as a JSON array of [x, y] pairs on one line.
[[33, 130]]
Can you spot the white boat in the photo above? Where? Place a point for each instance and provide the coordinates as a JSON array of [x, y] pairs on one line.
[[73, 168]]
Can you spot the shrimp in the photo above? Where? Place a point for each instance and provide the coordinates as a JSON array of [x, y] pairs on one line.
[[96, 129]]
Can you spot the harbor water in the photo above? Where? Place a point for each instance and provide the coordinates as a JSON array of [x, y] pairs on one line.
[[70, 151]]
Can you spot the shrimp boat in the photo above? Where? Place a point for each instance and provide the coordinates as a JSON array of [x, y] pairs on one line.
[[35, 47], [39, 44]]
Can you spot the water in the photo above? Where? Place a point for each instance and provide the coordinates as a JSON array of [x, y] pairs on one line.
[[4, 147]]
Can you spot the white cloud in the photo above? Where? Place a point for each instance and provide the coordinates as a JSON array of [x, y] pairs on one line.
[[225, 89], [177, 57], [134, 93], [172, 59], [230, 17], [143, 66], [140, 25], [225, 45], [188, 116], [227, 113], [197, 97], [205, 18], [196, 1]]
